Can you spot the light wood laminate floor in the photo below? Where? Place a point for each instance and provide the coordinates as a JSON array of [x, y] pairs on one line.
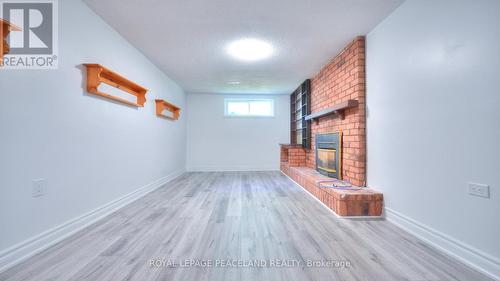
[[230, 216]]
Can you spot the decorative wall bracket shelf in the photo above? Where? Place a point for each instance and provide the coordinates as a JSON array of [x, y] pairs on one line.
[[337, 109], [5, 29], [162, 105], [97, 74]]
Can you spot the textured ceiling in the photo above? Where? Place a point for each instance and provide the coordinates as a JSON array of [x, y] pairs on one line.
[[187, 38]]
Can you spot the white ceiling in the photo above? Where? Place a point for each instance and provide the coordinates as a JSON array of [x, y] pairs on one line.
[[187, 38]]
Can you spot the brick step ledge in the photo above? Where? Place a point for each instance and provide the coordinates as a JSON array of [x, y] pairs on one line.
[[363, 202]]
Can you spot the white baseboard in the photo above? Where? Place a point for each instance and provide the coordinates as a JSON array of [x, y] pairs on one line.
[[476, 259], [28, 248], [469, 255], [231, 168]]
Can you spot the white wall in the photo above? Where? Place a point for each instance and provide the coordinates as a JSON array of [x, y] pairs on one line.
[[90, 150], [434, 122], [218, 143]]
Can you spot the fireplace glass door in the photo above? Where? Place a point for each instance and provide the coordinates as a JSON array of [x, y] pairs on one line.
[[326, 160], [329, 154]]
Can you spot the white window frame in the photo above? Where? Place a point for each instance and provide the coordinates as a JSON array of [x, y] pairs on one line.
[[228, 100]]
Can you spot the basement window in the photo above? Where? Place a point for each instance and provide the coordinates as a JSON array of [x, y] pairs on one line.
[[248, 107]]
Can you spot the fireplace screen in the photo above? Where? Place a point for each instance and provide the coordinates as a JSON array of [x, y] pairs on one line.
[[326, 160], [328, 154]]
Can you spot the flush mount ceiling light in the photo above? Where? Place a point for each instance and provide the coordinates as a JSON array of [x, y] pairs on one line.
[[233, 82], [250, 49]]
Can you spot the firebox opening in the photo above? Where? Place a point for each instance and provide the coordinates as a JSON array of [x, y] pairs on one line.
[[328, 148], [326, 158]]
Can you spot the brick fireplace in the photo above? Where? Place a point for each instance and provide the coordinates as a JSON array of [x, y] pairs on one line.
[[340, 80], [337, 105]]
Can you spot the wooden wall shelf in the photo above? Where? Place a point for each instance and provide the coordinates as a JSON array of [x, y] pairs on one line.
[[162, 105], [97, 74], [5, 29], [336, 109]]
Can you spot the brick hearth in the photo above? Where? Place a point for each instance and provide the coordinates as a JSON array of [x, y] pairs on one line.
[[364, 202]]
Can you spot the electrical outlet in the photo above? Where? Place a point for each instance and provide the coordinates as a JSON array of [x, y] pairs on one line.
[[477, 189], [39, 186]]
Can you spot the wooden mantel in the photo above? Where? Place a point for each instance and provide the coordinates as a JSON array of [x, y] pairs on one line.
[[337, 109], [5, 29]]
